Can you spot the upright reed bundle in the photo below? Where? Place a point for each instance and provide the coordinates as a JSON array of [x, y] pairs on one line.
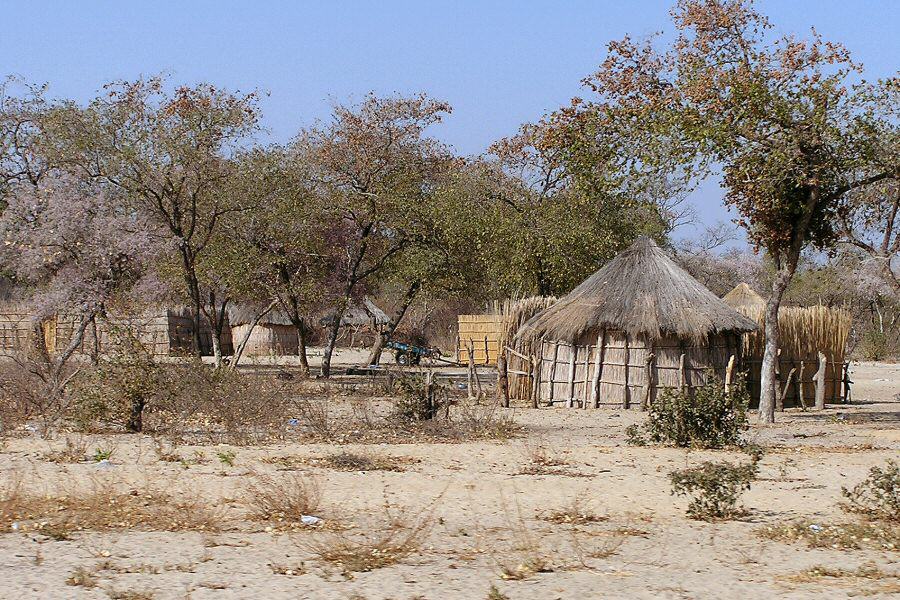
[[803, 333], [517, 312]]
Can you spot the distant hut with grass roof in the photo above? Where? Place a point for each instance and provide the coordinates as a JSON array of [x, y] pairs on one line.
[[639, 324], [273, 335]]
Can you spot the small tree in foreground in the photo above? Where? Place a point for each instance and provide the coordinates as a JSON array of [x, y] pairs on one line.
[[715, 488]]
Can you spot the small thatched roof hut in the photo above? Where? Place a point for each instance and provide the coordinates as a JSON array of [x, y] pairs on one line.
[[743, 296], [638, 324], [274, 334], [366, 314]]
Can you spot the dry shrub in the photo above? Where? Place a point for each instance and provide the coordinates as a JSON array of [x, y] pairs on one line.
[[715, 488], [400, 534], [818, 572], [102, 507], [81, 577], [576, 513], [74, 451], [115, 594], [878, 495], [842, 536], [363, 461], [283, 500], [185, 401], [541, 460]]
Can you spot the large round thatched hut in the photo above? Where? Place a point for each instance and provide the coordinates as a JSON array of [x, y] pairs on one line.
[[274, 335], [639, 324]]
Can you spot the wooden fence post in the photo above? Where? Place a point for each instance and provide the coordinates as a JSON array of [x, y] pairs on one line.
[[502, 379], [585, 393], [820, 382], [648, 374], [729, 373], [801, 396], [598, 369], [538, 369], [573, 361], [552, 382], [779, 401], [626, 396]]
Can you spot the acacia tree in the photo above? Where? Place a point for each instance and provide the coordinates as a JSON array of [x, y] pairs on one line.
[[373, 165], [169, 155], [20, 115], [559, 210], [75, 250], [870, 215], [778, 116], [281, 252]]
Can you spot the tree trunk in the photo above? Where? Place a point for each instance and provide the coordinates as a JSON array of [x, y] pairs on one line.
[[301, 348], [216, 318], [334, 328], [378, 346], [768, 384], [239, 350], [193, 285]]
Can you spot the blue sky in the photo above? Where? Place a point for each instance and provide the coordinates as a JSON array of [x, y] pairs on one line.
[[498, 63]]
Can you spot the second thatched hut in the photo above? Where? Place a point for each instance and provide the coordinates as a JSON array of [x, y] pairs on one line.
[[274, 334], [639, 324]]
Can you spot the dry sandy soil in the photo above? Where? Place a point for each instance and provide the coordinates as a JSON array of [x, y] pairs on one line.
[[485, 522]]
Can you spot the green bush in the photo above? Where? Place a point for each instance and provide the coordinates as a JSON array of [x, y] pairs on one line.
[[715, 487], [708, 417], [878, 495]]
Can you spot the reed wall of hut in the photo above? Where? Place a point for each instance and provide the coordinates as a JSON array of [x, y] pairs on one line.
[[615, 369], [268, 339]]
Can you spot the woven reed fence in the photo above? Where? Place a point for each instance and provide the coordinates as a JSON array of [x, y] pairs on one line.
[[803, 334], [521, 353]]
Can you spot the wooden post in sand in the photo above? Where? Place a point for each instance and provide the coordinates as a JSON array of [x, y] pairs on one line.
[[729, 373], [502, 379], [552, 382], [573, 360], [820, 382], [648, 377], [598, 370]]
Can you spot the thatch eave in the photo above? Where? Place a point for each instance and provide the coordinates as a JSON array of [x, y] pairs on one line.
[[641, 292]]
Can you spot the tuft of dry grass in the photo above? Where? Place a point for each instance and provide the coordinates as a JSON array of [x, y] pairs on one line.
[[842, 536], [284, 500], [74, 451], [541, 460], [102, 507], [129, 594], [818, 572], [495, 594], [400, 534], [575, 513], [81, 577], [363, 461]]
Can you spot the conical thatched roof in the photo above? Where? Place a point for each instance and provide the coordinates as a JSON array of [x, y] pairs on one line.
[[743, 296], [642, 292], [242, 314]]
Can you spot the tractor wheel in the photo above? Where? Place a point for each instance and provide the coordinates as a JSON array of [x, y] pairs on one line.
[[402, 358]]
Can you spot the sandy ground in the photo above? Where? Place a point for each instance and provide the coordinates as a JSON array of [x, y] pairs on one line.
[[487, 517]]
